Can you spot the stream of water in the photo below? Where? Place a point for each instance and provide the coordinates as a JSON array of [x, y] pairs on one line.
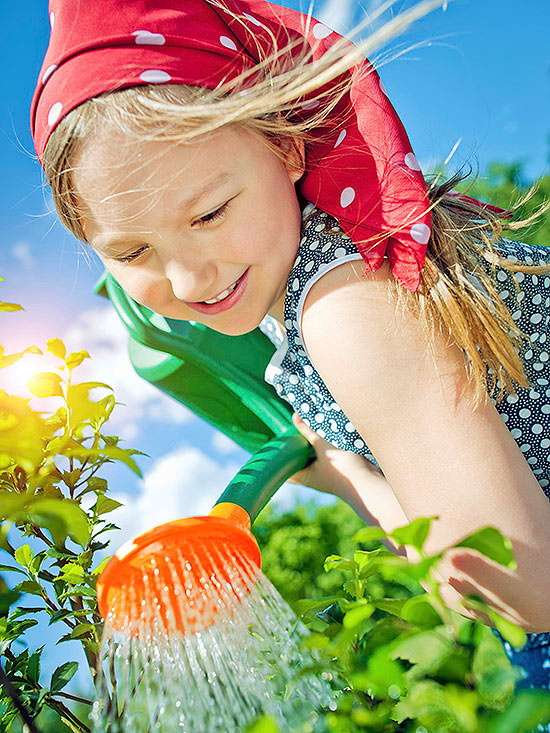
[[238, 660]]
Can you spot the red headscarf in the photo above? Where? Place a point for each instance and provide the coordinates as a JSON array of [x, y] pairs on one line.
[[362, 170]]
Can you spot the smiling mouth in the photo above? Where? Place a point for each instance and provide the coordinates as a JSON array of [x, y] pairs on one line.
[[224, 294]]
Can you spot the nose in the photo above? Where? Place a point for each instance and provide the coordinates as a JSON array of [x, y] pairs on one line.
[[190, 283]]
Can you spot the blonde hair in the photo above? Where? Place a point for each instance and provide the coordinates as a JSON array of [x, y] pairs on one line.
[[264, 101]]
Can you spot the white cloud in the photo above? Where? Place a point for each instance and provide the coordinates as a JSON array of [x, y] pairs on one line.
[[224, 445], [183, 483], [186, 483], [103, 335], [21, 251]]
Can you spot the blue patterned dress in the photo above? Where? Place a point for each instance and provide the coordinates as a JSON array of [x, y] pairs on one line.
[[527, 414]]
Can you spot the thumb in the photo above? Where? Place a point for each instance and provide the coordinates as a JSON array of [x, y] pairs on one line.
[[304, 429]]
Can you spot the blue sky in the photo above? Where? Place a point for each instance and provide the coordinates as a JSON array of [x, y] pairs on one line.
[[479, 76]]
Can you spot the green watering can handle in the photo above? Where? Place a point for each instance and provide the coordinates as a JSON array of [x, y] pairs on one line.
[[267, 470], [277, 459]]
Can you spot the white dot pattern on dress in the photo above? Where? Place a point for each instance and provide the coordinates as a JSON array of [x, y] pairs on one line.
[[526, 413]]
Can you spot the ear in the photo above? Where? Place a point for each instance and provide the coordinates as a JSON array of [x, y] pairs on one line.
[[295, 162]]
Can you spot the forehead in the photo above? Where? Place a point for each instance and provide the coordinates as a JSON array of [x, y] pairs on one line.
[[117, 179]]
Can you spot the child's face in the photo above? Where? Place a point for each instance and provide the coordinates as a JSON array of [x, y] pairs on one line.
[[134, 216]]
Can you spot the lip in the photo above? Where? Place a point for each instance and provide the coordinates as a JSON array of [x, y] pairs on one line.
[[224, 304]]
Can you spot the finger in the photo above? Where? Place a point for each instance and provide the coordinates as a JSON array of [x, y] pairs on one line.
[[304, 429]]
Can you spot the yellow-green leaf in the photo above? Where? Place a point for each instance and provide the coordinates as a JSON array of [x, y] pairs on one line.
[[10, 307], [24, 556], [76, 358], [57, 348], [72, 573], [46, 384]]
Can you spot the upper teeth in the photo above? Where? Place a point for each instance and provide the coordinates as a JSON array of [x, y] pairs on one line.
[[223, 295]]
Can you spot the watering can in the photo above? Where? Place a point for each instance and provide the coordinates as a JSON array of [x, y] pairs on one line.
[[221, 379]]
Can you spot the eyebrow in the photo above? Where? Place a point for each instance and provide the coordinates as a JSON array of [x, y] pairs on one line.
[[186, 204]]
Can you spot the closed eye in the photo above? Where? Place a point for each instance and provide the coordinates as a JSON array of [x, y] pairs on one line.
[[217, 214], [127, 259]]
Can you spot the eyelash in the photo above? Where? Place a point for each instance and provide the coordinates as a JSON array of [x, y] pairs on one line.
[[218, 214]]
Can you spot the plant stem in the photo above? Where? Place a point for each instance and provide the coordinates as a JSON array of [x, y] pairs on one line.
[[91, 657], [10, 690], [74, 697], [68, 717]]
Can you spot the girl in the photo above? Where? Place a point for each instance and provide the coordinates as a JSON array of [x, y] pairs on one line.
[[237, 163]]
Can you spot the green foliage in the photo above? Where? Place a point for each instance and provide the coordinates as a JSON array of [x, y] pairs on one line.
[[399, 658], [49, 464], [504, 185]]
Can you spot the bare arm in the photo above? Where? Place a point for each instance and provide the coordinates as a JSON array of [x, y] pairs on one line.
[[439, 456]]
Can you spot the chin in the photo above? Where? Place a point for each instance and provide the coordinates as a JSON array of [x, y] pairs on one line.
[[234, 330]]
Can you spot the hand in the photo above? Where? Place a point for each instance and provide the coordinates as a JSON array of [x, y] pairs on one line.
[[333, 468]]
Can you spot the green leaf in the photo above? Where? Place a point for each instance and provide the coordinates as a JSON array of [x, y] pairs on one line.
[[61, 517], [114, 453], [369, 534], [83, 409], [337, 561], [100, 567], [528, 709], [62, 676], [105, 504], [99, 485], [390, 605], [24, 556], [9, 359], [33, 667], [59, 615], [492, 670], [513, 633], [29, 586], [427, 650], [357, 615], [420, 612], [489, 541], [413, 534], [57, 348], [382, 677], [72, 573], [46, 384], [306, 609]]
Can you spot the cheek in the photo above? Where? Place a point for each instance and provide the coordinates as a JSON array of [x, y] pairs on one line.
[[140, 285]]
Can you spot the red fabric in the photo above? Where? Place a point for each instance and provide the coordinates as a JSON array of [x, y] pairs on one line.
[[362, 171]]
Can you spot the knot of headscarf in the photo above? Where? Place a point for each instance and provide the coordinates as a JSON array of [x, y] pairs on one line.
[[361, 171]]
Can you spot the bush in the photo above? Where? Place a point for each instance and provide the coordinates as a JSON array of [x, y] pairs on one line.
[[49, 467], [401, 660]]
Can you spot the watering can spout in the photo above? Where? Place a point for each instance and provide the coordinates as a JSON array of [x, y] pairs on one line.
[[234, 513]]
